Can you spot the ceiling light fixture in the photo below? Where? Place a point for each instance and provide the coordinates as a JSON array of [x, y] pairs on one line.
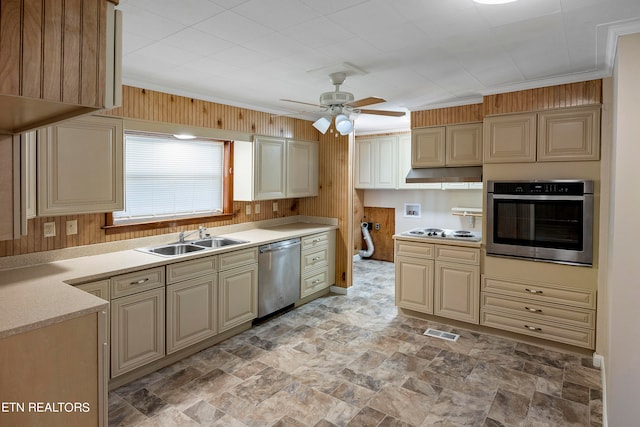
[[322, 124], [343, 124], [183, 136], [494, 1]]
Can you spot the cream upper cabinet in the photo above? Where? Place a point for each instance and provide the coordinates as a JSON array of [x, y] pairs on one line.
[[428, 147], [464, 145], [9, 194], [404, 165], [302, 168], [80, 167], [376, 162], [274, 168], [510, 139], [452, 145], [569, 134], [271, 161]]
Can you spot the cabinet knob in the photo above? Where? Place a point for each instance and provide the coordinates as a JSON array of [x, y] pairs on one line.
[[533, 291], [139, 282], [533, 328], [533, 310]]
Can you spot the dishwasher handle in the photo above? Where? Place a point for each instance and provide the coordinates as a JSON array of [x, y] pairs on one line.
[[271, 248]]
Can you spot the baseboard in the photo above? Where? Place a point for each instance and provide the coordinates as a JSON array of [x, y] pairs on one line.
[[339, 290], [598, 361]]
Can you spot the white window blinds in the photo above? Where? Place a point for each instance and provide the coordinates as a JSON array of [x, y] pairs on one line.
[[167, 178]]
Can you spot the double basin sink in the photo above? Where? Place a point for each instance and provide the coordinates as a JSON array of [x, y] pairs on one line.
[[181, 248]]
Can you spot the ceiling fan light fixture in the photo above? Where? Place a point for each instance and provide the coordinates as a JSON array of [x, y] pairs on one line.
[[322, 124], [343, 124]]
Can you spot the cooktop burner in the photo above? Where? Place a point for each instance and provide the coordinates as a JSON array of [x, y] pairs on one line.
[[444, 234]]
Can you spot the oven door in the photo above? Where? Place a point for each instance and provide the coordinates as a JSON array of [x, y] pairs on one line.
[[545, 228]]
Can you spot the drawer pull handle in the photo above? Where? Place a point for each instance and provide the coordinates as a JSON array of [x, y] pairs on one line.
[[533, 291], [315, 240], [315, 282], [315, 258], [139, 282], [533, 310], [533, 328]]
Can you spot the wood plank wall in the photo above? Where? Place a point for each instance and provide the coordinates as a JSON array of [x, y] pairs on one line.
[[335, 186], [447, 116], [382, 239], [162, 107]]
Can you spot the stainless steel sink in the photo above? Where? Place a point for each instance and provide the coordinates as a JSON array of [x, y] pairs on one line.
[[217, 242], [175, 249]]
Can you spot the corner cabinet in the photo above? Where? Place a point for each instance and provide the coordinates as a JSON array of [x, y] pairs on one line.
[[58, 61], [80, 167], [275, 168], [568, 134]]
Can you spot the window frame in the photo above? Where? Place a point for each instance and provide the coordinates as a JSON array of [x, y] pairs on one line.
[[227, 203]]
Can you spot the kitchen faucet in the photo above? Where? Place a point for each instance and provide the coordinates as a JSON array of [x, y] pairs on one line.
[[184, 234]]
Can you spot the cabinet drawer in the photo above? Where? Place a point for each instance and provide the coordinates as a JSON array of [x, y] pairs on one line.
[[190, 269], [539, 311], [237, 258], [523, 325], [312, 259], [314, 283], [458, 254], [414, 249], [131, 283], [575, 297], [315, 240]]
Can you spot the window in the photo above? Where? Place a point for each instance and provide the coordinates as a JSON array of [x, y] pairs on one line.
[[168, 179]]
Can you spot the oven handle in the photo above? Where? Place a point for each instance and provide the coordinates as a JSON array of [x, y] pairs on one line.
[[541, 197]]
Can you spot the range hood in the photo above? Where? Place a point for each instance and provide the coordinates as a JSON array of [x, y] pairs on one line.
[[454, 174]]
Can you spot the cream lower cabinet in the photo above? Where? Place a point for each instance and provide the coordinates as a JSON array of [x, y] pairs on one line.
[[317, 267], [414, 276], [238, 288], [457, 283], [80, 167], [192, 302], [137, 319]]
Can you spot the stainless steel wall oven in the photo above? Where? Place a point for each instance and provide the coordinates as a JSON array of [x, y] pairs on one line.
[[541, 220]]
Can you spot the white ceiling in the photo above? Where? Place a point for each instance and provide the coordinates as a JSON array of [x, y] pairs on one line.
[[417, 54]]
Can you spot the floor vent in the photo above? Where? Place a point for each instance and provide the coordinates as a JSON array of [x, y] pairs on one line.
[[441, 334]]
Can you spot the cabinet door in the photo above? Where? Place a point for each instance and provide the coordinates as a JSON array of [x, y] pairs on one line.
[[385, 162], [464, 145], [428, 147], [457, 291], [414, 284], [571, 134], [302, 168], [364, 166], [9, 193], [137, 330], [510, 139], [238, 296], [270, 168], [80, 167], [404, 165], [192, 309]]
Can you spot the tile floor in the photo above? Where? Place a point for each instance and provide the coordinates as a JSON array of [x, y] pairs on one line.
[[352, 361]]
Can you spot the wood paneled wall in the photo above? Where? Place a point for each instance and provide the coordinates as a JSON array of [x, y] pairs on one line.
[[545, 98], [162, 107], [335, 197], [382, 239], [447, 116]]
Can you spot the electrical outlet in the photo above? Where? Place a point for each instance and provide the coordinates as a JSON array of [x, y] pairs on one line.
[[49, 229], [377, 226], [248, 210], [72, 227], [257, 209], [275, 206]]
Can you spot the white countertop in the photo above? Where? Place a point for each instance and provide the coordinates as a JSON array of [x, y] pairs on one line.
[[35, 296]]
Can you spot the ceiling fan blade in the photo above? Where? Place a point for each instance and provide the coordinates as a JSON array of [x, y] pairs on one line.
[[366, 101], [383, 112], [300, 102]]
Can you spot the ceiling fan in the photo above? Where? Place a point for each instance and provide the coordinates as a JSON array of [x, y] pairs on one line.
[[341, 105]]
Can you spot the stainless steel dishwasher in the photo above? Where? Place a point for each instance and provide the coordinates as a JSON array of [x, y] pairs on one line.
[[278, 276]]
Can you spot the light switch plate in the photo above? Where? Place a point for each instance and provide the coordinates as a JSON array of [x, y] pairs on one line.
[[275, 206], [257, 209], [72, 227], [49, 229], [248, 210]]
